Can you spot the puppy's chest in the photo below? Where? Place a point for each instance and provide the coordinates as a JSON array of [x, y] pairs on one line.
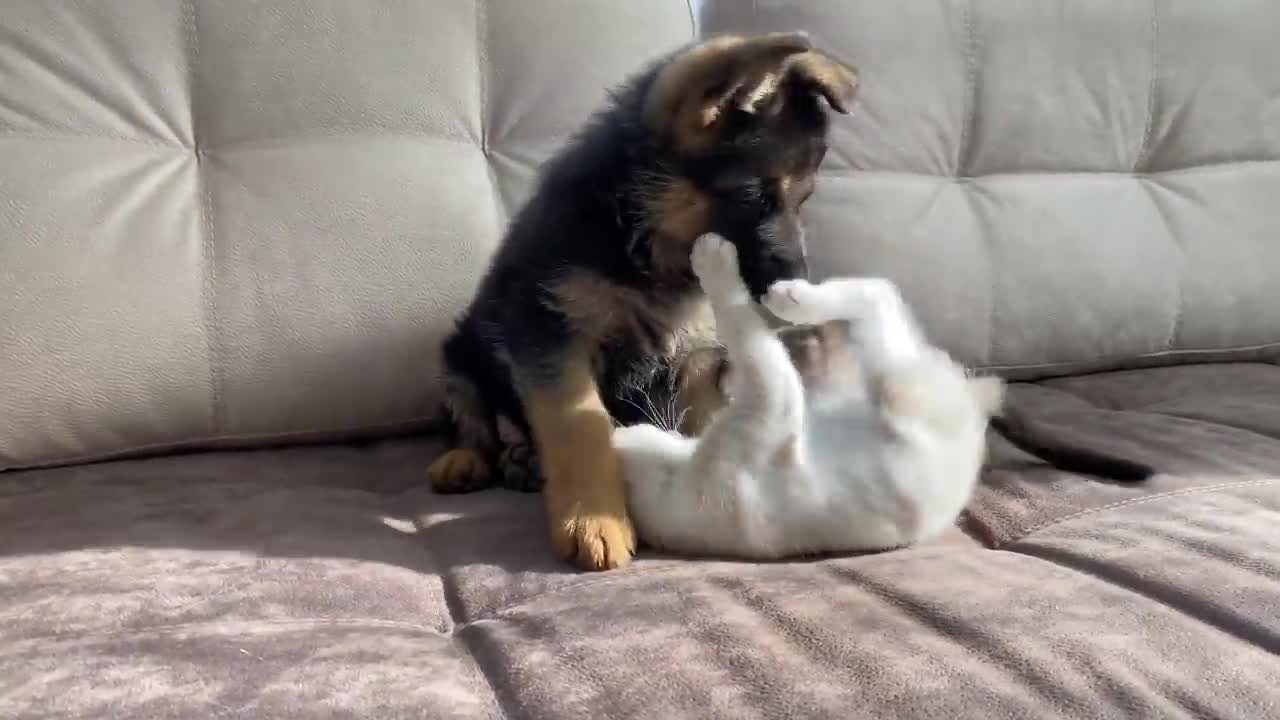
[[649, 322]]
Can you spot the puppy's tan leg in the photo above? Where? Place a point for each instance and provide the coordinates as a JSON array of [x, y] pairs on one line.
[[468, 466], [584, 492]]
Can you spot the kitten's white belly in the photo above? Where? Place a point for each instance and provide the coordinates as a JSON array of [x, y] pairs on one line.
[[870, 502], [874, 502]]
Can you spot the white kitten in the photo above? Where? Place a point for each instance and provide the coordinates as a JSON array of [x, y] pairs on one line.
[[849, 432]]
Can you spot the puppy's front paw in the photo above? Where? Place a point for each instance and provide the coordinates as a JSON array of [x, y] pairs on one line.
[[795, 301], [460, 470], [715, 262], [595, 538]]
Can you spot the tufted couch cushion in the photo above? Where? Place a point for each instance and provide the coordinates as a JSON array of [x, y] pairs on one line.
[[249, 221], [1059, 186], [327, 582]]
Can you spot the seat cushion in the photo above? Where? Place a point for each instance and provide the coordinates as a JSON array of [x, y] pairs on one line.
[[328, 582], [1209, 429]]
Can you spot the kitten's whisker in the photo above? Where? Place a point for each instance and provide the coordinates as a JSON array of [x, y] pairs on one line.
[[680, 420], [643, 411]]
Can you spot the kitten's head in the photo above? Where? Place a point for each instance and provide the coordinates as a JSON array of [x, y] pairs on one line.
[[827, 358]]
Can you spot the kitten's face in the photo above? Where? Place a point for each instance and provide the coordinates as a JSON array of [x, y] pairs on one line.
[[824, 355], [826, 358]]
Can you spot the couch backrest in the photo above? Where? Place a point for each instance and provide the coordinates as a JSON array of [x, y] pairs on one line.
[[1058, 186], [249, 221]]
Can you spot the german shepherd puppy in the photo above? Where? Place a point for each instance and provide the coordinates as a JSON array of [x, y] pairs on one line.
[[590, 314]]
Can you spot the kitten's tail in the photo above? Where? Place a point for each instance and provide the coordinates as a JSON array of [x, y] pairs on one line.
[[1065, 456]]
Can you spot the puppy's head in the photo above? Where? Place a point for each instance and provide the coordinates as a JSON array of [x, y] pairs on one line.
[[743, 122]]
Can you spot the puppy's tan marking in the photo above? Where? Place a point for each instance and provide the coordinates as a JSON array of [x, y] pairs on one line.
[[584, 492], [680, 214], [796, 188], [689, 95], [598, 309], [834, 80]]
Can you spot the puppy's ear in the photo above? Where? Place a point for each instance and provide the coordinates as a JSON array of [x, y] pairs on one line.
[[824, 75], [691, 94]]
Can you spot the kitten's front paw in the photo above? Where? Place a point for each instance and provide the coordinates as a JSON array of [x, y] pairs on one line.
[[715, 262], [795, 301]]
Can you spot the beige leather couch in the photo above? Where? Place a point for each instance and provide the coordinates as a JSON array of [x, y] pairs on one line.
[[244, 226]]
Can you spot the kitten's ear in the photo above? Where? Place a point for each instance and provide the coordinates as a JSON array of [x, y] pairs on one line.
[[988, 392]]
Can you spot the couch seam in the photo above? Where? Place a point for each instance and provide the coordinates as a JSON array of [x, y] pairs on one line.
[[971, 93], [1144, 147], [482, 65], [168, 628], [989, 242], [454, 605], [1127, 503], [208, 242], [232, 443], [77, 135], [1136, 357], [964, 160], [278, 142], [499, 695], [1179, 292], [1155, 175]]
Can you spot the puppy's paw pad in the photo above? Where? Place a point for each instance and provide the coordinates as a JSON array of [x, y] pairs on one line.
[[458, 471], [714, 258], [794, 301]]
